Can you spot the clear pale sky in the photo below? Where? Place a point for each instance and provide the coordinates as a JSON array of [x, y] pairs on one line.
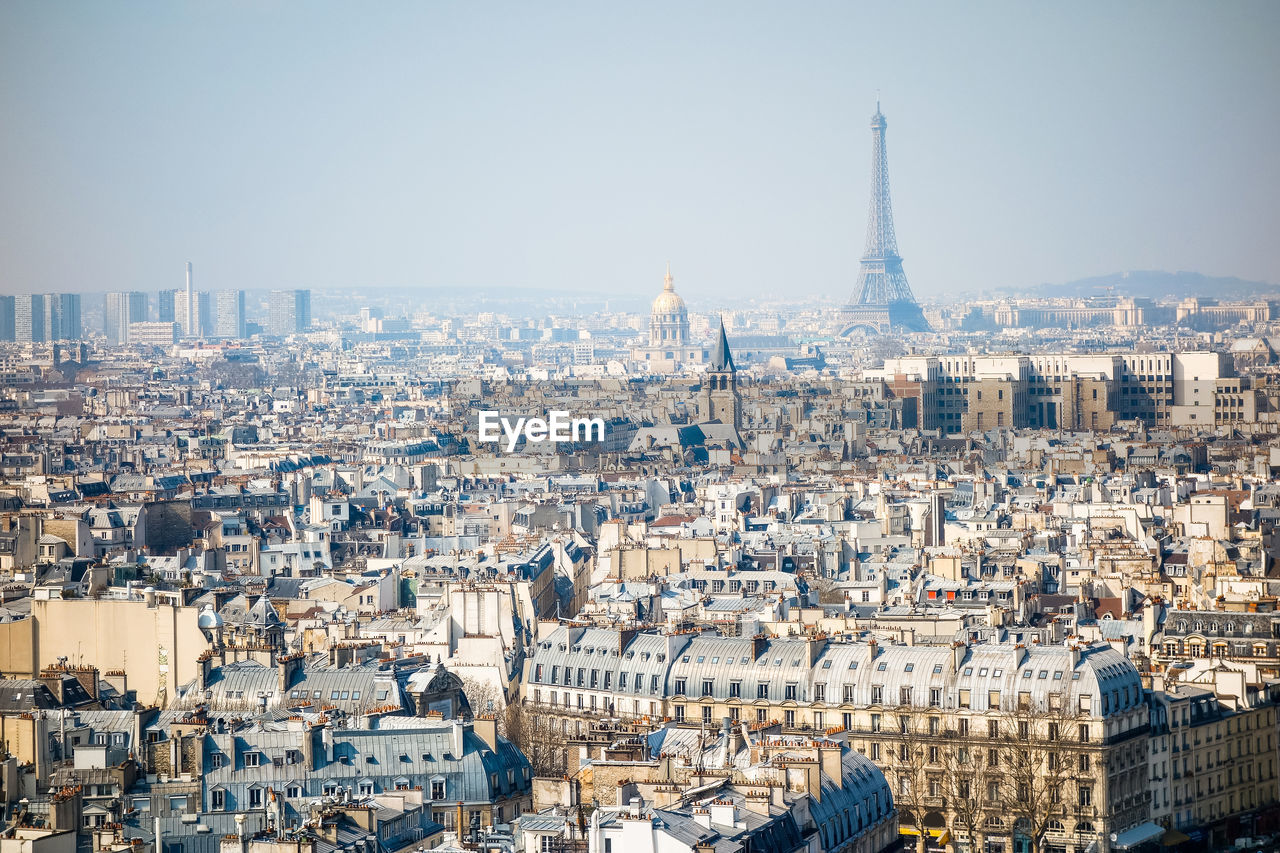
[[583, 145]]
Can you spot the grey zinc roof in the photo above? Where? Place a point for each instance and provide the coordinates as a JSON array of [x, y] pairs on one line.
[[240, 687], [447, 751]]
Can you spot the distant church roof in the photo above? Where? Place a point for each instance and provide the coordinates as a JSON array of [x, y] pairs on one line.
[[668, 301], [721, 358]]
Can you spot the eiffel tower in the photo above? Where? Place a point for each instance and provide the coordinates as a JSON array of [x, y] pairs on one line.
[[882, 300]]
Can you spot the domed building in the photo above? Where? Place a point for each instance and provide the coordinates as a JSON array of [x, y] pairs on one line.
[[669, 346]]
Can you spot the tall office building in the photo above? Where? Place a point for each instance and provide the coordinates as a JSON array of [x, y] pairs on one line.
[[194, 310], [289, 312], [165, 312], [62, 317], [121, 310], [28, 318], [6, 318], [229, 314]]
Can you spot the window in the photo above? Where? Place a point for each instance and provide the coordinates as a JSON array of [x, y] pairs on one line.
[[437, 789], [251, 759], [993, 728], [964, 699], [255, 798], [680, 687], [217, 799], [875, 722], [735, 689], [820, 691], [216, 760], [1086, 795], [762, 691], [706, 685], [1084, 732], [935, 697], [789, 692], [877, 694], [875, 752]]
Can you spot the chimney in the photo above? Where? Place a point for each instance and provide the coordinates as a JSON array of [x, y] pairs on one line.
[[486, 726], [52, 678], [309, 748], [813, 779], [831, 759], [287, 668], [88, 678], [119, 681]]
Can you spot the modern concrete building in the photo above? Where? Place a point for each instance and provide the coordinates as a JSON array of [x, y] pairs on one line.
[[289, 312], [228, 314], [120, 311]]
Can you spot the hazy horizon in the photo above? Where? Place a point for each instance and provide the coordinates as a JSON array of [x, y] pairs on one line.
[[580, 147]]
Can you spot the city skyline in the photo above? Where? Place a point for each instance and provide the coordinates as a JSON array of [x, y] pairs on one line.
[[558, 148]]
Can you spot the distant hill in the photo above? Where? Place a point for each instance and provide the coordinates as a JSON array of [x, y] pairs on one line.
[[1157, 284]]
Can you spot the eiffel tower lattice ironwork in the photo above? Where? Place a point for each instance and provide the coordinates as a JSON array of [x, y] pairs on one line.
[[882, 299]]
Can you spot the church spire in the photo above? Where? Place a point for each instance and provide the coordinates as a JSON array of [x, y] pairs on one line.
[[667, 280], [721, 358]]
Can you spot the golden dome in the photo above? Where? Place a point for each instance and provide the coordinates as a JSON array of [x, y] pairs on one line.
[[668, 301]]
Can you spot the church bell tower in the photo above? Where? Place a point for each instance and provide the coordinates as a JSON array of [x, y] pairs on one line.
[[720, 392]]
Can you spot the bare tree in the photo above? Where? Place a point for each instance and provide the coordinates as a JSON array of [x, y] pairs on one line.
[[971, 783], [909, 734], [828, 592], [538, 737], [484, 697], [534, 734], [1039, 764]]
